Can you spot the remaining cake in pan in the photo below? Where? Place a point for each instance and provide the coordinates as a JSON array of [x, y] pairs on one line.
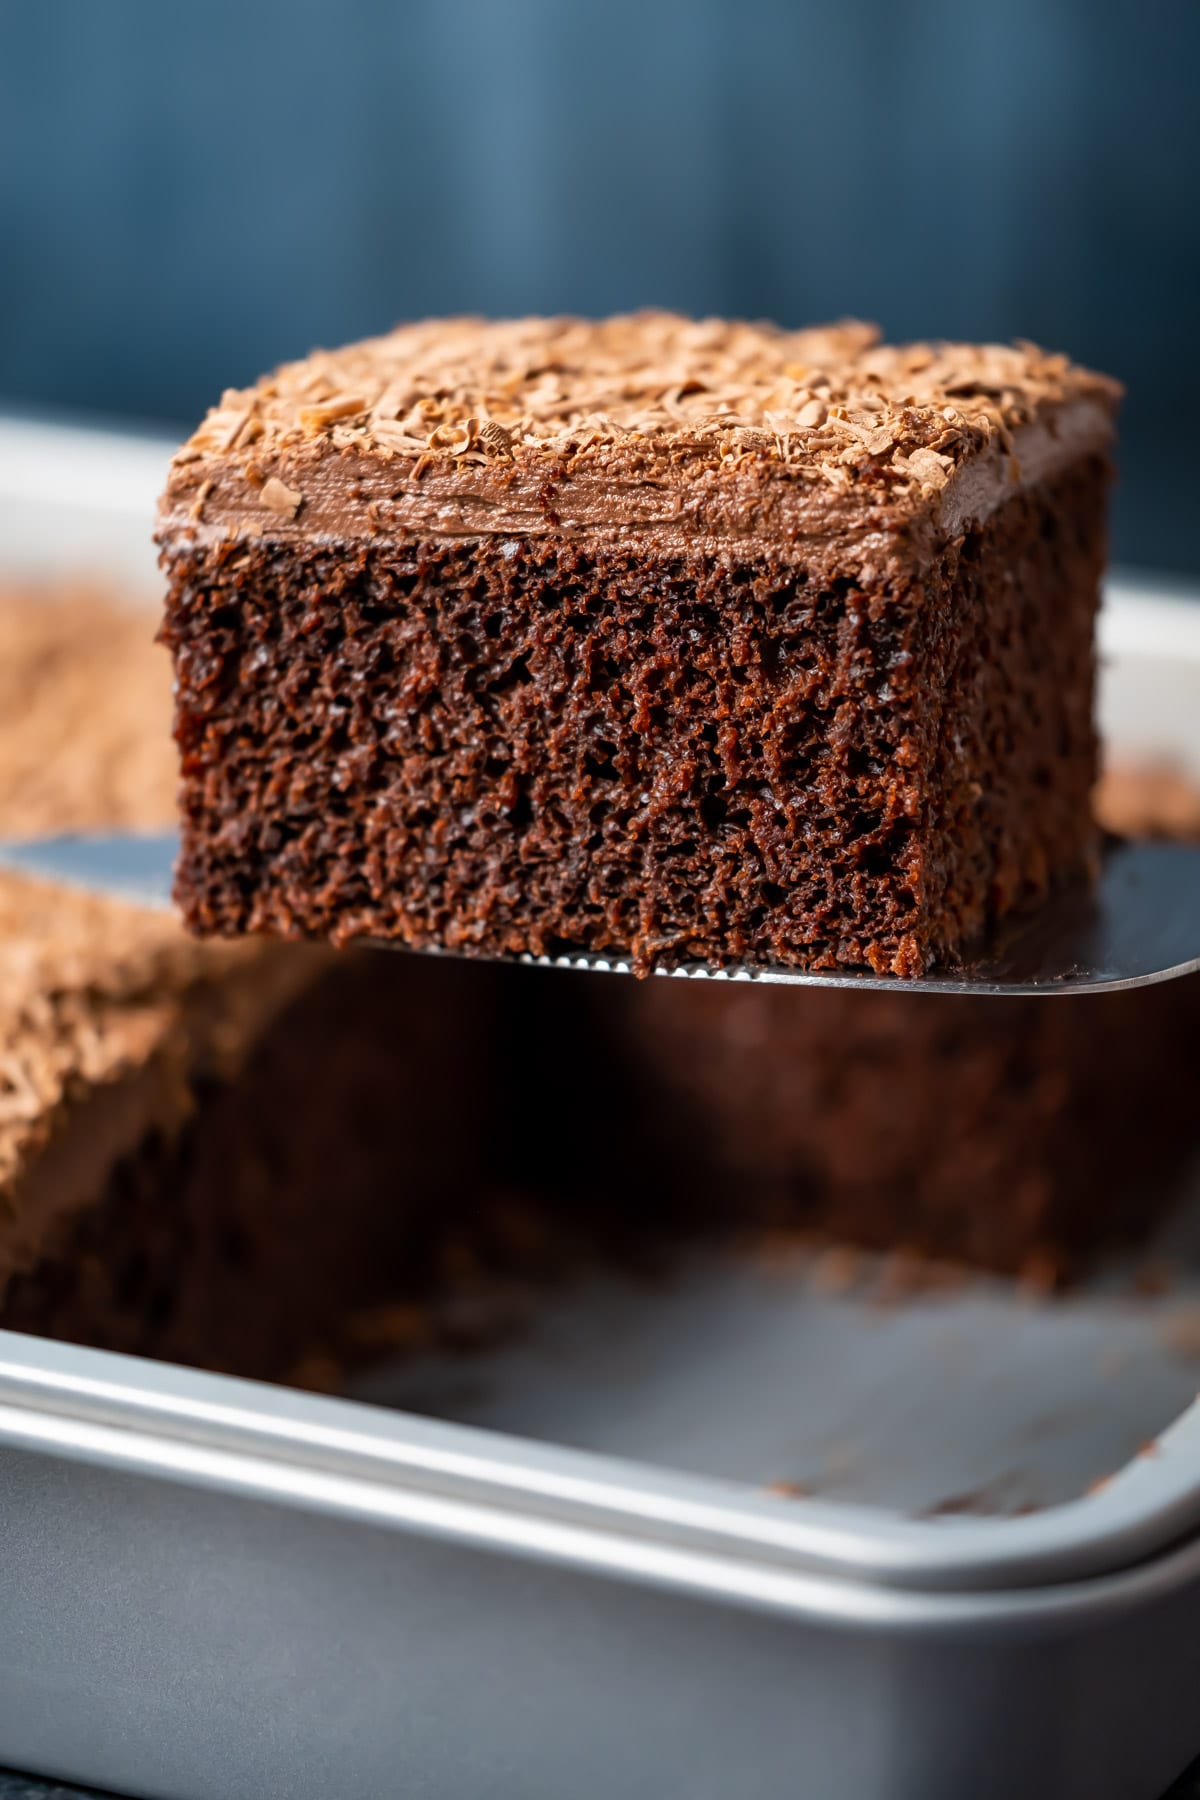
[[669, 639], [1012, 1133], [1150, 802], [85, 713], [211, 1152]]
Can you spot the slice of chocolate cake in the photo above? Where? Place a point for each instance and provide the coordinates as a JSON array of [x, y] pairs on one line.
[[653, 638], [215, 1153]]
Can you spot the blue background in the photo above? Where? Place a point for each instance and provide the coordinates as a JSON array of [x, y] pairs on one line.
[[189, 194]]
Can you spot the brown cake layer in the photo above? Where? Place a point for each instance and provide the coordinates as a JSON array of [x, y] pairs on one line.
[[648, 637], [1014, 1133]]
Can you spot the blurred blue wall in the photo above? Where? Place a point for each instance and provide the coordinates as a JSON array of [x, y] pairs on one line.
[[190, 194]]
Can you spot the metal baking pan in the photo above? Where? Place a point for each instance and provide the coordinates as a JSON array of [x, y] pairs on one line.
[[557, 1566]]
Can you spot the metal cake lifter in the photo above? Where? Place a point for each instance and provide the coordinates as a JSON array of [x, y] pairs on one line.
[[1140, 923]]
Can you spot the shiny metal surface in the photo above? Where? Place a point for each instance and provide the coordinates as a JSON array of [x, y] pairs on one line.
[[213, 1588], [623, 1431], [1140, 924], [127, 866]]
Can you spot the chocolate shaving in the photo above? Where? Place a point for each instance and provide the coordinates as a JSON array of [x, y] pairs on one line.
[[196, 509], [328, 412], [494, 438], [280, 498]]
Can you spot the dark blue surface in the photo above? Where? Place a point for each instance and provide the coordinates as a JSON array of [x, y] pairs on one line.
[[190, 194]]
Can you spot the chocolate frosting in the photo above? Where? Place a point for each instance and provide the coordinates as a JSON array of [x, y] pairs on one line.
[[688, 435]]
